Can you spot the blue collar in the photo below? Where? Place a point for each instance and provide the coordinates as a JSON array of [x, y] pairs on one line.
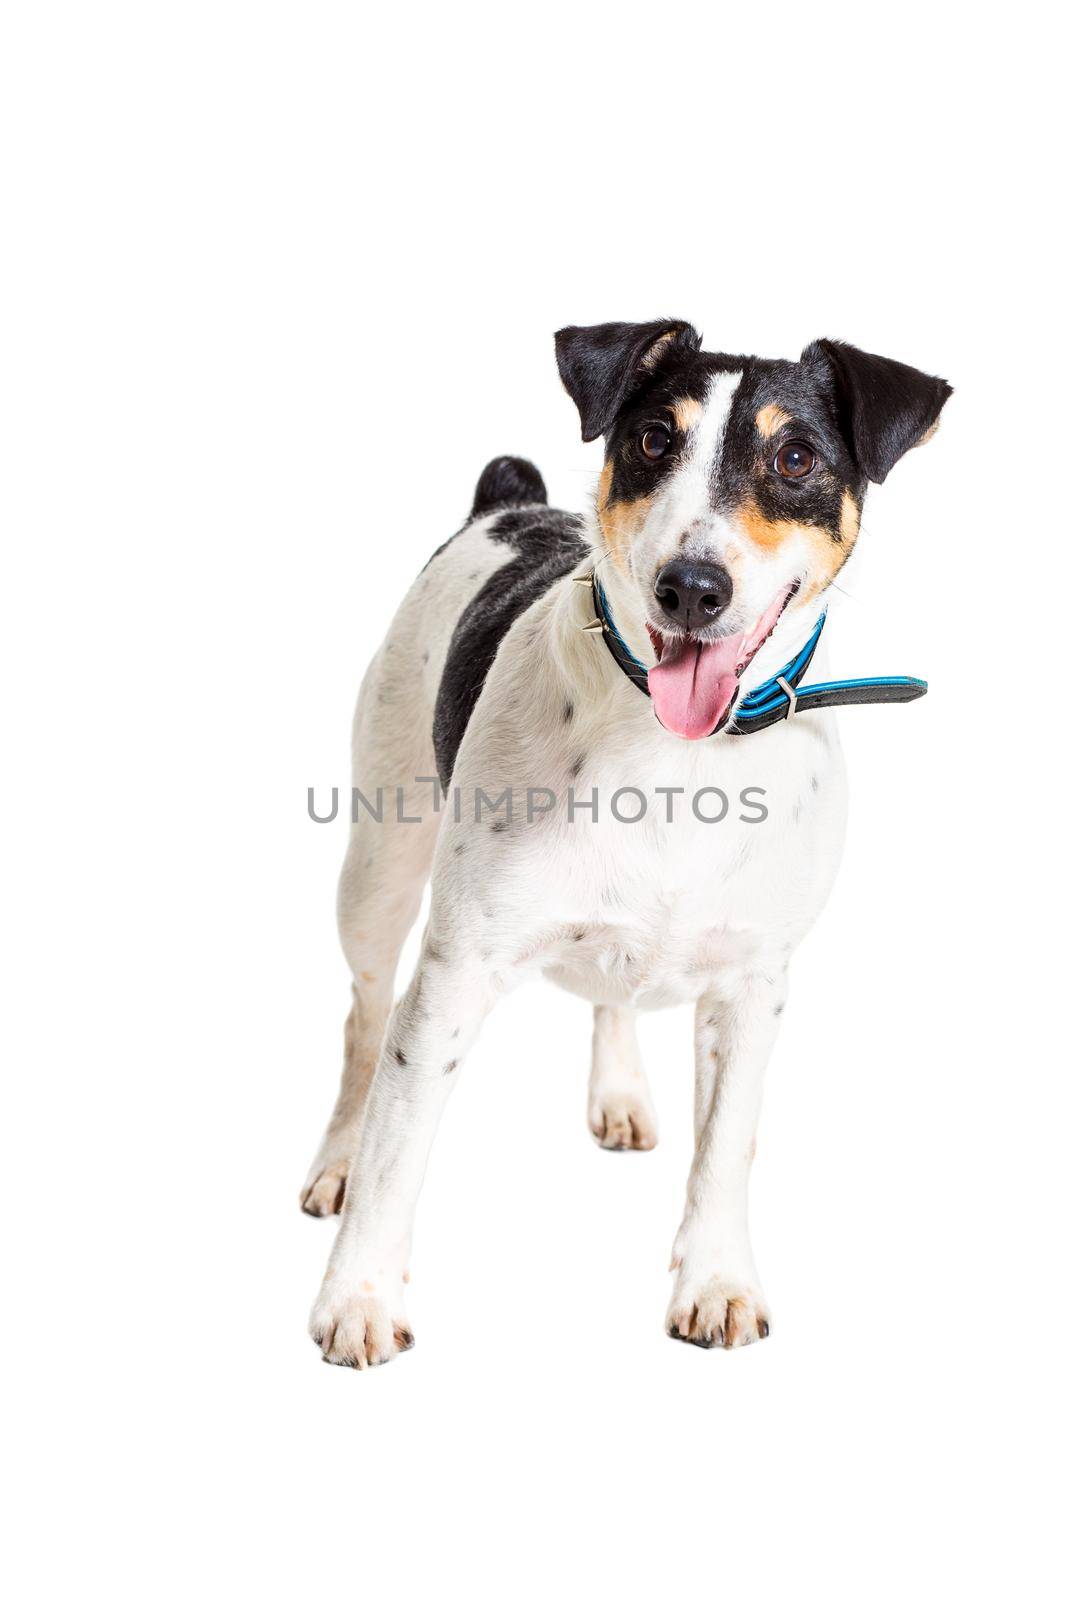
[[780, 696]]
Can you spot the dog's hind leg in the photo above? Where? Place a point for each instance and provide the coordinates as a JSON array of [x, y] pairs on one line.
[[621, 1114], [378, 900], [385, 869]]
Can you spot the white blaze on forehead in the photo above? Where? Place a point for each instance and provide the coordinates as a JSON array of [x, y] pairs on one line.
[[718, 403], [687, 500]]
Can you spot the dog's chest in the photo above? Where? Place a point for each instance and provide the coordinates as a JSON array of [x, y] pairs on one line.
[[728, 872]]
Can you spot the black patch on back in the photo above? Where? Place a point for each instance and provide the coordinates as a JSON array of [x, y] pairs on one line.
[[547, 545], [505, 481]]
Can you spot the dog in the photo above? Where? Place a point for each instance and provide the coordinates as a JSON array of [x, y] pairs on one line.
[[600, 663]]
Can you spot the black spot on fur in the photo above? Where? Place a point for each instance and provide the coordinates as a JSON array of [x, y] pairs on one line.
[[548, 544], [568, 710], [458, 849], [576, 767], [814, 784], [401, 1059], [779, 1008], [452, 1065], [500, 826]]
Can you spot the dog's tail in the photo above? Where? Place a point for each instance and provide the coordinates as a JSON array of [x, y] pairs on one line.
[[508, 481]]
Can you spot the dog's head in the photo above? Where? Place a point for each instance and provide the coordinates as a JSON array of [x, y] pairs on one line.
[[731, 486]]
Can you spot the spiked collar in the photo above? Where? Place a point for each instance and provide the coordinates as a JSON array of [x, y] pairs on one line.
[[779, 697]]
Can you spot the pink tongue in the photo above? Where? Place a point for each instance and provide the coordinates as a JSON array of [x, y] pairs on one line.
[[694, 683]]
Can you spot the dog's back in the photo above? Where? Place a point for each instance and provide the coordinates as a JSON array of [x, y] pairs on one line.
[[543, 545]]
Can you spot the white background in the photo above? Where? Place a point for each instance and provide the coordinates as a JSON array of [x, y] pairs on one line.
[[279, 280]]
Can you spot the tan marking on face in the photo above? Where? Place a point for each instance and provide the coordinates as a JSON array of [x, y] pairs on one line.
[[928, 435], [621, 522], [827, 556], [687, 414], [827, 549], [770, 418], [765, 534], [848, 525]]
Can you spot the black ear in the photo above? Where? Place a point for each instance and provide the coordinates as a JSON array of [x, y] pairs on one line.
[[602, 366], [883, 406]]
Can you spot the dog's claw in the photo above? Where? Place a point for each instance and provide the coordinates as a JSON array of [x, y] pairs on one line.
[[624, 1122], [357, 1330], [324, 1193], [720, 1315]]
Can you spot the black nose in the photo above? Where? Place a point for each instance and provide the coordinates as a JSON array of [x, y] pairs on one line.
[[693, 593]]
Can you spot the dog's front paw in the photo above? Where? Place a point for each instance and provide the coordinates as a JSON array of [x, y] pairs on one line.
[[362, 1329], [323, 1193], [623, 1121], [718, 1311]]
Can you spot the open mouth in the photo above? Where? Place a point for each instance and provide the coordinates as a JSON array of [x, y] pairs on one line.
[[694, 682]]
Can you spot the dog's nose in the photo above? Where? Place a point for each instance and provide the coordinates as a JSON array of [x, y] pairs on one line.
[[693, 593]]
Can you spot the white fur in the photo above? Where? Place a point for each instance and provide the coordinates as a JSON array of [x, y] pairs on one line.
[[682, 520], [627, 915]]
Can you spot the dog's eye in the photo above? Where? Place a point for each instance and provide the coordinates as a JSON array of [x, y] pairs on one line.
[[795, 460], [655, 442]]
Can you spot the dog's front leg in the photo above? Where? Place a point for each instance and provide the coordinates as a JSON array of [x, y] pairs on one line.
[[359, 1318], [717, 1297], [621, 1115]]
